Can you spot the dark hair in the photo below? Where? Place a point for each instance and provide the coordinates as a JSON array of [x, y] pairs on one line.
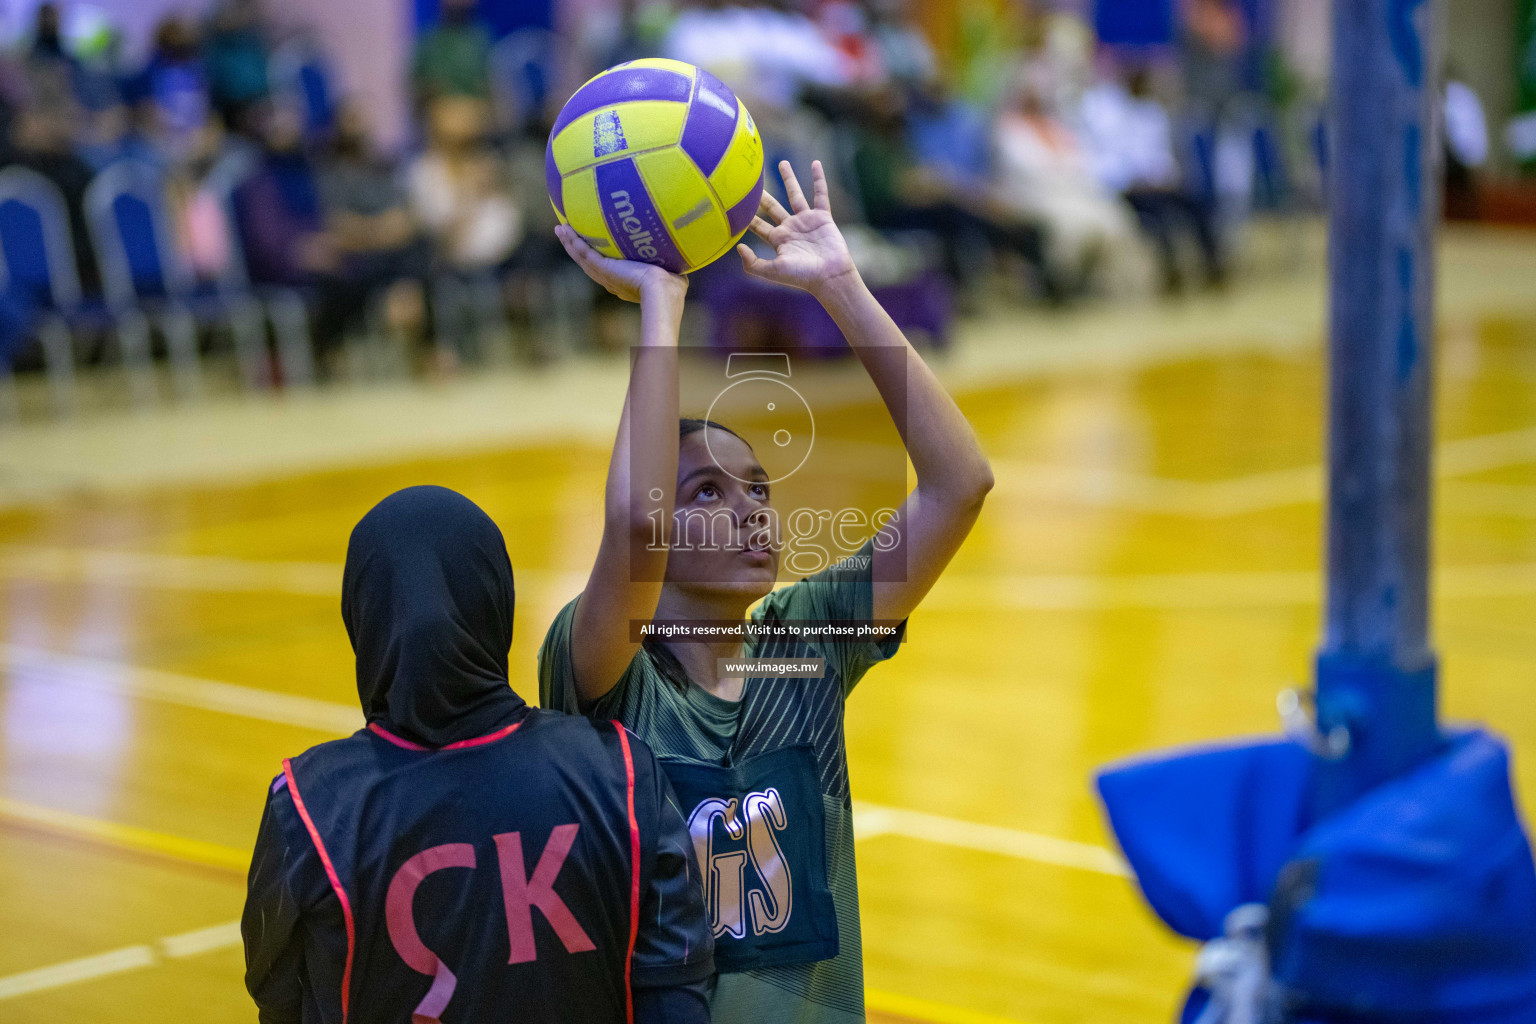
[[689, 425], [665, 661]]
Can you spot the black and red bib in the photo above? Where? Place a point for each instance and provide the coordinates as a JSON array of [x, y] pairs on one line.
[[515, 898]]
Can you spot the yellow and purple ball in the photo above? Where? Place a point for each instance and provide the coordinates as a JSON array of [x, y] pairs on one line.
[[656, 160]]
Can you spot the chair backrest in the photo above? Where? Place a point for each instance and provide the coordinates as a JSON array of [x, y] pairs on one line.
[[131, 229], [220, 184], [525, 69], [301, 80], [39, 254]]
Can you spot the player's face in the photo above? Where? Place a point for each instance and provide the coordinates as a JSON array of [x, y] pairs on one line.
[[724, 537]]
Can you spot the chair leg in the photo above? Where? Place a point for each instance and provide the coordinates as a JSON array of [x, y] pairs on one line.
[[59, 364], [10, 407], [449, 309], [249, 330], [181, 343], [295, 348], [571, 311], [493, 329], [132, 331]]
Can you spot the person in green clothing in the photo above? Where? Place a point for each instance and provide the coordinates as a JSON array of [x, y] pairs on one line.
[[453, 57], [759, 763]]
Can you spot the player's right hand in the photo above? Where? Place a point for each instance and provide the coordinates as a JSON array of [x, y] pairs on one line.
[[630, 280]]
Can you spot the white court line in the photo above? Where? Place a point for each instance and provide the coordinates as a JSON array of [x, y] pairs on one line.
[[170, 572], [872, 820], [129, 958], [204, 940], [1197, 590], [207, 573], [119, 961], [1257, 492], [31, 664]]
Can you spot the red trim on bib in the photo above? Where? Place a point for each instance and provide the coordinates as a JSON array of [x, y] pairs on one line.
[[634, 889], [405, 744], [330, 871]]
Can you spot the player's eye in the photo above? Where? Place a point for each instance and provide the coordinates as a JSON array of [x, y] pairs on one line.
[[707, 491], [759, 491]]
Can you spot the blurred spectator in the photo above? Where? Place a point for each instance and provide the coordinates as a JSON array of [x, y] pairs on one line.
[[459, 191], [170, 94], [47, 37], [845, 24], [1129, 138], [98, 72], [278, 209], [50, 69], [904, 53], [767, 53], [950, 137], [1043, 173], [899, 195], [1211, 50], [1466, 147], [453, 57], [237, 54], [41, 141], [368, 219], [345, 251], [880, 44]]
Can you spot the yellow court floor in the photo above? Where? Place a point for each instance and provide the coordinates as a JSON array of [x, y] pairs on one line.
[[1144, 575]]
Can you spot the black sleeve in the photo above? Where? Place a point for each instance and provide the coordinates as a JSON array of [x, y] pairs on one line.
[[681, 1004], [674, 947], [270, 925]]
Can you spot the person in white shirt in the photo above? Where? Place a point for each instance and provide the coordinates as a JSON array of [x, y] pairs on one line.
[[766, 53], [458, 192], [1466, 147], [1043, 173], [1129, 137]]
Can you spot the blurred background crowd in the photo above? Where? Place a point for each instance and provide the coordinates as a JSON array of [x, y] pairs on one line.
[[219, 189]]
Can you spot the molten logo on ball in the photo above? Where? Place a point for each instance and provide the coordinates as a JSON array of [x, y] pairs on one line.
[[624, 210]]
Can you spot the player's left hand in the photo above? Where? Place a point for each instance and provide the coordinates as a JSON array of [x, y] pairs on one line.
[[809, 251]]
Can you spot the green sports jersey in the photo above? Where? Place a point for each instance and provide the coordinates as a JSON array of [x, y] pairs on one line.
[[691, 728]]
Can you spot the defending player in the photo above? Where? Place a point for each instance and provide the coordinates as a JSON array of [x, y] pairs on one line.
[[466, 858], [760, 764]]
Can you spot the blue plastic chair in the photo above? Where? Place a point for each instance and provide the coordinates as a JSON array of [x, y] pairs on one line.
[[284, 308], [39, 260], [526, 69], [301, 80], [143, 268]]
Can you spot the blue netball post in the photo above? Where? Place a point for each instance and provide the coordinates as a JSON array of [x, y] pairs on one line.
[[1372, 865]]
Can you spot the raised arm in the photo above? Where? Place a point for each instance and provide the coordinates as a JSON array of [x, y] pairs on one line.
[[642, 476], [953, 476]]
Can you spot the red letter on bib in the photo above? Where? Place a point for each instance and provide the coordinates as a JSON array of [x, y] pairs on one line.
[[521, 893], [398, 916]]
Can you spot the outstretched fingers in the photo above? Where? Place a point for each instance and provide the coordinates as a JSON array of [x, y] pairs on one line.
[[751, 262], [776, 214], [819, 196], [762, 229], [797, 201]]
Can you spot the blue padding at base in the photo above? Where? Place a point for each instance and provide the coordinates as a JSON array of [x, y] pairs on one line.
[[1208, 830], [1415, 904]]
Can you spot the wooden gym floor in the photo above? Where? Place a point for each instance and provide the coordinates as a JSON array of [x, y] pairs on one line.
[[1144, 575]]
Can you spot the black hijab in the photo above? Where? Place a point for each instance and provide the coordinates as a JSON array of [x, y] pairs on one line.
[[427, 597]]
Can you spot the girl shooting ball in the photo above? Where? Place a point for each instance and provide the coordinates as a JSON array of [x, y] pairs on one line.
[[759, 762]]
